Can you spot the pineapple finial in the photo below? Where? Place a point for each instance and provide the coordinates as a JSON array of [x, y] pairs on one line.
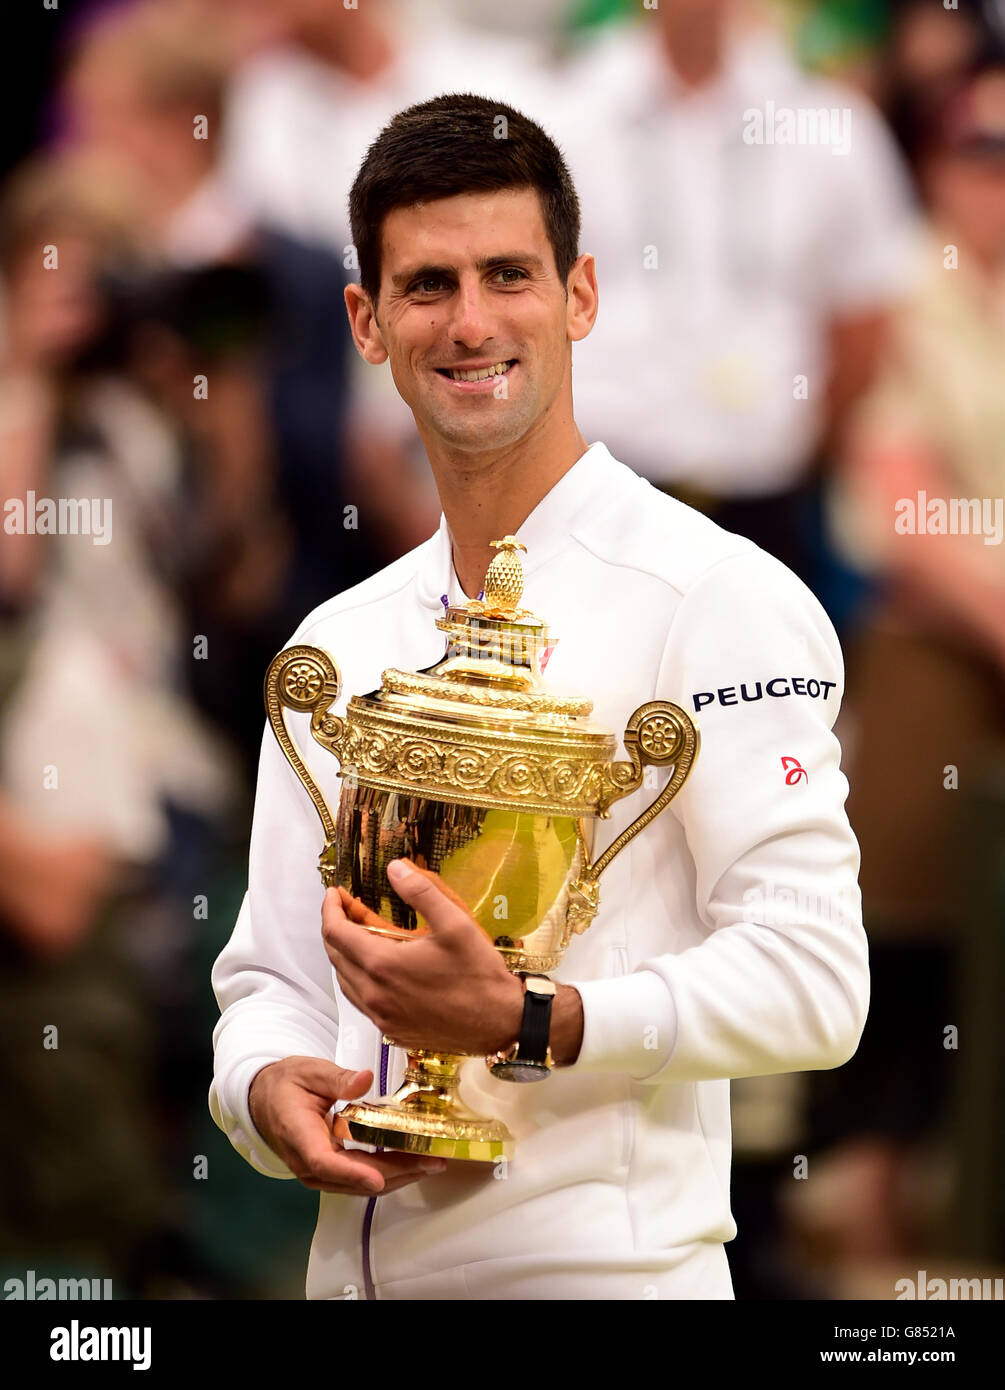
[[504, 578]]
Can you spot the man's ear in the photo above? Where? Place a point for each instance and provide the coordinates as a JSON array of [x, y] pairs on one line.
[[363, 324], [582, 299]]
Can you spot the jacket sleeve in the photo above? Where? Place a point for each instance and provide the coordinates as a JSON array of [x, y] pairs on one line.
[[273, 980], [780, 981]]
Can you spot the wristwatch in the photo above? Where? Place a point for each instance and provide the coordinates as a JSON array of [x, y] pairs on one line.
[[529, 1058]]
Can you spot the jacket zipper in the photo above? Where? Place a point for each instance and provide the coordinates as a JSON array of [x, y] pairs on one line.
[[369, 1289], [627, 1113]]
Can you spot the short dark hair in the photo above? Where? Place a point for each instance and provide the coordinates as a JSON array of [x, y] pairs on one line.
[[450, 145]]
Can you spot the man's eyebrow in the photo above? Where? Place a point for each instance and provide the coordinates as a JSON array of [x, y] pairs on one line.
[[421, 272]]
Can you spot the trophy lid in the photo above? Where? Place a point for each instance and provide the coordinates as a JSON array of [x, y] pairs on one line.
[[479, 727], [493, 665]]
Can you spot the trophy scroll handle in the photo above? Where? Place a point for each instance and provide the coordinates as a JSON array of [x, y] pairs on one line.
[[657, 734], [307, 680]]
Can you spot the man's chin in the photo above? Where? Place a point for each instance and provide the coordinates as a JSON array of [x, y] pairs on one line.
[[491, 432]]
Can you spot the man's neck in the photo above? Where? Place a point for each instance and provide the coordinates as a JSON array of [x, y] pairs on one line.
[[491, 494]]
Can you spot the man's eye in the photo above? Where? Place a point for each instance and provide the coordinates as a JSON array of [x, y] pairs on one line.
[[429, 285], [513, 270]]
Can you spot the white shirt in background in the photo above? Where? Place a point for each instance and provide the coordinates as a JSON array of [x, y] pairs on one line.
[[757, 247], [298, 129]]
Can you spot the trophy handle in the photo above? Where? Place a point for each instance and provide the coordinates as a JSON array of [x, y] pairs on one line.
[[306, 679], [657, 734]]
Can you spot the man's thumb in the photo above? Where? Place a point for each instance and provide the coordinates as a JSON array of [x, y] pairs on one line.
[[422, 886], [345, 1084]]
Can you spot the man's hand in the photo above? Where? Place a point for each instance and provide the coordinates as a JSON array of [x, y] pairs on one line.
[[445, 989], [289, 1102]]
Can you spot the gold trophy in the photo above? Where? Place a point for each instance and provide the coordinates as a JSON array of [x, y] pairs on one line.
[[475, 769]]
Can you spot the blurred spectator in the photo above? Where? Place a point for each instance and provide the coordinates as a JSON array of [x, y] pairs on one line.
[[301, 116], [95, 741], [929, 49], [541, 20], [745, 273], [97, 603], [927, 675], [896, 51], [932, 46], [255, 315]]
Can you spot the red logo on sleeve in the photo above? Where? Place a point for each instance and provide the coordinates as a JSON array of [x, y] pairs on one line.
[[794, 770]]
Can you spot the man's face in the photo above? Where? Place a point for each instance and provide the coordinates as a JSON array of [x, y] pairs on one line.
[[469, 283]]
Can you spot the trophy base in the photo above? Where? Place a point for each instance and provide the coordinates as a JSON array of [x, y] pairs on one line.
[[426, 1116], [389, 1127]]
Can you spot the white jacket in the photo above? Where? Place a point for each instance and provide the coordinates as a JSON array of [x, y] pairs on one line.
[[729, 940]]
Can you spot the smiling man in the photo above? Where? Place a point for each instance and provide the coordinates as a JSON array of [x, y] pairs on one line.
[[729, 939]]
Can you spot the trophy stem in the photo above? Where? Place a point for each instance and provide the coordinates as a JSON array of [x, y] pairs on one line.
[[427, 1116]]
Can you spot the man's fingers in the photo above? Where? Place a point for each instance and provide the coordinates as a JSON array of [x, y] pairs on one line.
[[433, 877], [358, 911], [425, 890], [392, 1163], [329, 1081], [355, 1084], [317, 1157], [318, 1162], [365, 1172], [383, 1168], [304, 1131], [343, 935], [342, 1190]]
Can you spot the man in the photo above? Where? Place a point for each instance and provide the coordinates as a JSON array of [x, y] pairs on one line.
[[729, 938]]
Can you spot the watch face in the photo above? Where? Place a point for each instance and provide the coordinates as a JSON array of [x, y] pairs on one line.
[[520, 1071]]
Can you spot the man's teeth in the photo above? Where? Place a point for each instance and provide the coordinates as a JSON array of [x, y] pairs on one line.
[[482, 373]]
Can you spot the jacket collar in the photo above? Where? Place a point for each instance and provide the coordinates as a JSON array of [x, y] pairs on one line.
[[545, 532]]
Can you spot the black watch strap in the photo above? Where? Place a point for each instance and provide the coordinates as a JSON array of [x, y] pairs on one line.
[[536, 1027]]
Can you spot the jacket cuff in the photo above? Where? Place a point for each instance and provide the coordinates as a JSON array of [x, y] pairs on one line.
[[230, 1108], [629, 1025]]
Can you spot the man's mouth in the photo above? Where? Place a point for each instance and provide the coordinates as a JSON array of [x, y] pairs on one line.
[[476, 373]]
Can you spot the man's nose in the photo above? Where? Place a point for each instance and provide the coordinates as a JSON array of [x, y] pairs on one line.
[[471, 320]]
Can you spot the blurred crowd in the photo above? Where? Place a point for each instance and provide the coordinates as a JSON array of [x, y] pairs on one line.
[[796, 335]]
